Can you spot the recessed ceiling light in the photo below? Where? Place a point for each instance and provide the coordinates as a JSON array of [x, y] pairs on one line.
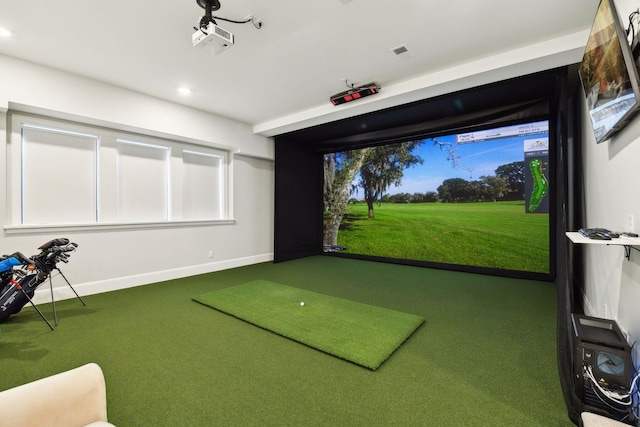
[[4, 32], [184, 90]]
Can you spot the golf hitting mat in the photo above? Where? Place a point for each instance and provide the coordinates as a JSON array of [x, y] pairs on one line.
[[357, 332]]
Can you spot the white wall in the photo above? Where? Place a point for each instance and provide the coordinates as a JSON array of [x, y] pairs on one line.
[[116, 258], [612, 193]]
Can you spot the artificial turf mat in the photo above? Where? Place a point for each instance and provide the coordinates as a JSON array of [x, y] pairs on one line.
[[360, 333]]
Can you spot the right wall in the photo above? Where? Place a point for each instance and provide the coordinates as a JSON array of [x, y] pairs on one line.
[[611, 193]]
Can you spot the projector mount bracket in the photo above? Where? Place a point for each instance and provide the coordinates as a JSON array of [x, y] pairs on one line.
[[210, 6]]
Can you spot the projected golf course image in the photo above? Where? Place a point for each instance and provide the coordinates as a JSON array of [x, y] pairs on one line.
[[476, 199]]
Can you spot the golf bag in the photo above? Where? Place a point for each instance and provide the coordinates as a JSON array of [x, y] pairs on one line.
[[20, 276]]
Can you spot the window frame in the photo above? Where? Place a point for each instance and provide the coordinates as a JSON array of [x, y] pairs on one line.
[[49, 177], [106, 175]]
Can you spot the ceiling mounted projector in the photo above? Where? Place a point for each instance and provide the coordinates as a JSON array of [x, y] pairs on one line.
[[209, 35], [355, 93], [212, 37]]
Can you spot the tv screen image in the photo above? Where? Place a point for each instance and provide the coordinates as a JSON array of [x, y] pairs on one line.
[[611, 364], [608, 74], [476, 199]]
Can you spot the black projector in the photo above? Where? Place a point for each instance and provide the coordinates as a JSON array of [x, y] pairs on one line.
[[355, 93]]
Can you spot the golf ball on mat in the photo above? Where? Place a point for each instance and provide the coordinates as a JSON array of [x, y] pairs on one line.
[[301, 303]]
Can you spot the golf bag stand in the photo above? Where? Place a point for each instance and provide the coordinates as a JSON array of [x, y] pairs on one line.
[[11, 294], [18, 285], [53, 301], [51, 253]]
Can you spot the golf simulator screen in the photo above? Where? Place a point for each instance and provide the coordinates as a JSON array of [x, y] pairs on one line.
[[477, 198]]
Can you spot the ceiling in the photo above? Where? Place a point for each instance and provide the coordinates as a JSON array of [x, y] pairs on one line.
[[276, 78]]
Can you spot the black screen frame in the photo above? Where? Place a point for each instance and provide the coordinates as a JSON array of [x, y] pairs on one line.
[[465, 267], [298, 218]]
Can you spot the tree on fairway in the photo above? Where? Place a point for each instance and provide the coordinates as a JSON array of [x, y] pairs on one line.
[[340, 169], [513, 173], [495, 187], [454, 190], [383, 166]]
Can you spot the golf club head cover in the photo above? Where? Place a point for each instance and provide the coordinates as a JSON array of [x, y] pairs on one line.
[[14, 260], [55, 242]]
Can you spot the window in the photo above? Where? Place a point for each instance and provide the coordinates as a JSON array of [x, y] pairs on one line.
[[202, 176], [64, 173], [142, 181], [58, 176]]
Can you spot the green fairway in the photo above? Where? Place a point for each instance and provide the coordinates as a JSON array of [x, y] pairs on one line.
[[486, 234]]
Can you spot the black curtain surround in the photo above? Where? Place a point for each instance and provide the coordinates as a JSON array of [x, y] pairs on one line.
[[299, 154], [298, 201], [568, 137], [544, 95]]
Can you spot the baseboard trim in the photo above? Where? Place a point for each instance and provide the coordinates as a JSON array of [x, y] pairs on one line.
[[61, 291]]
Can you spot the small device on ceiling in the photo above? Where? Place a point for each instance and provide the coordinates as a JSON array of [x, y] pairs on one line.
[[212, 37], [209, 35], [355, 93]]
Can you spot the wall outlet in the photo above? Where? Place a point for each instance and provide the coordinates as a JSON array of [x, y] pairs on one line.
[[210, 254], [606, 311], [630, 224]]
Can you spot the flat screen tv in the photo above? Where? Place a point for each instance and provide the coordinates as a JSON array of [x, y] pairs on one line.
[[477, 198], [608, 74]]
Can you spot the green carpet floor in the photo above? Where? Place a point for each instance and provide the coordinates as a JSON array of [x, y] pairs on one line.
[[486, 355]]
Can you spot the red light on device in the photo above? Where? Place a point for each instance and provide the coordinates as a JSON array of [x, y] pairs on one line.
[[355, 93]]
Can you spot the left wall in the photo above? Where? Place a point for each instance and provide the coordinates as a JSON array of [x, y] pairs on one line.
[[110, 259]]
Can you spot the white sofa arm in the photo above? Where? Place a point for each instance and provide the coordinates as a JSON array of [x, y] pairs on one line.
[[593, 420], [73, 398]]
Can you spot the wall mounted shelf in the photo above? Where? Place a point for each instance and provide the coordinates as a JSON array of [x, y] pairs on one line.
[[628, 243]]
